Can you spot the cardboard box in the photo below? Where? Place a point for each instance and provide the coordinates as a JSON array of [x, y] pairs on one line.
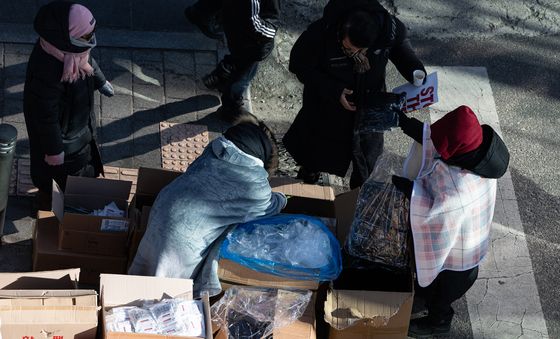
[[150, 182], [44, 305], [83, 232], [47, 256], [368, 313], [119, 290]]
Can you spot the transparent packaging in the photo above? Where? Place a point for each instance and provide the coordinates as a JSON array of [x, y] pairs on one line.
[[252, 312], [380, 231], [292, 246], [381, 112], [172, 317]]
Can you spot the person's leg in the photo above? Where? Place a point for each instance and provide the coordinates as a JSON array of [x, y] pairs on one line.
[[446, 288], [367, 148], [203, 14]]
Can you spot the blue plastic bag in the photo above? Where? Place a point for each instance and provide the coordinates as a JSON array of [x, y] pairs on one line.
[[294, 246]]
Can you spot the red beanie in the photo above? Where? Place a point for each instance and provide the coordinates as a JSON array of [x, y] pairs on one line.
[[458, 132]]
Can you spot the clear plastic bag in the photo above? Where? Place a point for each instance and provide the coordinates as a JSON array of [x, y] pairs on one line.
[[381, 112], [254, 313], [293, 246], [172, 317], [380, 231]]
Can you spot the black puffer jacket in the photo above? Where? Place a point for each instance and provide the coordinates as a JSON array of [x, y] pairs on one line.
[[320, 137], [59, 116]]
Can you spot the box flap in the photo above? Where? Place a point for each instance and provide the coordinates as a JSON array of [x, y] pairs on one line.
[[345, 206], [152, 180], [57, 201], [232, 272], [42, 294], [107, 187], [60, 279], [117, 289], [344, 308], [297, 188]]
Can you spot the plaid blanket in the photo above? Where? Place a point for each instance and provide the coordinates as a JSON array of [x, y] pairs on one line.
[[451, 213]]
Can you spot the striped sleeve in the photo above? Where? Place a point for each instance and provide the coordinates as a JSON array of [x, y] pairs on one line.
[[261, 26]]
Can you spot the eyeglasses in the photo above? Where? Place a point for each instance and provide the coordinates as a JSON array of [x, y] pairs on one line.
[[89, 36], [352, 52]]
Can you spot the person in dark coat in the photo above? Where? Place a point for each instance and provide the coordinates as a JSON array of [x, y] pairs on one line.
[[341, 60], [58, 97], [452, 198], [250, 27]]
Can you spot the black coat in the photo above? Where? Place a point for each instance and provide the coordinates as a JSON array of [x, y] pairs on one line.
[[320, 137], [59, 115]]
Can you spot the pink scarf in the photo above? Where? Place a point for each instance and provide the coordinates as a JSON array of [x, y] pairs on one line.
[[76, 65]]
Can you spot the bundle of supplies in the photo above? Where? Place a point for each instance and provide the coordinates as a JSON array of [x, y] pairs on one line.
[[252, 312], [173, 317], [380, 230], [293, 246]]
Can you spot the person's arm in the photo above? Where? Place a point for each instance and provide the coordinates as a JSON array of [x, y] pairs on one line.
[[99, 80], [402, 55], [304, 63], [46, 116], [412, 127], [264, 13]]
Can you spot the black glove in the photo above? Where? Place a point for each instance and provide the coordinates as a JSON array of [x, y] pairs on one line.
[[107, 89], [404, 185]]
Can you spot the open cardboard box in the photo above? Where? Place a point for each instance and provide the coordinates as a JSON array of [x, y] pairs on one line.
[[126, 290], [47, 256], [46, 305], [367, 313], [85, 233]]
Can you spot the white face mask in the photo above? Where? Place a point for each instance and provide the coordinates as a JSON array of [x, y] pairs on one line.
[[83, 43]]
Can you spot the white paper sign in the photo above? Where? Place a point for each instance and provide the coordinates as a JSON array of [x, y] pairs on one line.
[[420, 97]]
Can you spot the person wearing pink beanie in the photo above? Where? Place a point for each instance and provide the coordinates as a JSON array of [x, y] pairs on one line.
[[58, 97]]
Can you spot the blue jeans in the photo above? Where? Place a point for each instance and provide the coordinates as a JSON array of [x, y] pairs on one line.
[[243, 74]]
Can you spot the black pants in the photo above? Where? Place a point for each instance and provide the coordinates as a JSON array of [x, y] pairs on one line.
[[444, 290], [366, 149]]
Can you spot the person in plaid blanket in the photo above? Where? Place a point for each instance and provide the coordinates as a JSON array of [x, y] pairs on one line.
[[452, 198]]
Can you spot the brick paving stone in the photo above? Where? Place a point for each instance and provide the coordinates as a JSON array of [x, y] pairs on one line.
[[116, 130], [147, 158], [205, 58], [13, 110], [147, 96], [118, 106], [116, 59], [202, 70], [15, 65], [156, 114], [119, 78], [24, 185], [115, 14], [22, 145], [119, 154], [181, 144], [13, 88], [179, 86], [181, 110], [148, 73], [179, 62], [147, 55], [20, 49], [146, 133]]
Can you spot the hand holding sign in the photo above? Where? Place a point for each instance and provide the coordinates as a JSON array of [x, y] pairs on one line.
[[421, 96]]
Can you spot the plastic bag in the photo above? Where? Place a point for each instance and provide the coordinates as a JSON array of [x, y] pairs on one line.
[[381, 112], [293, 246], [380, 230], [254, 313], [173, 317]]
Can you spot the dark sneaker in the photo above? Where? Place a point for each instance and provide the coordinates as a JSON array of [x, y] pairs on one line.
[[208, 26], [220, 78], [424, 328], [307, 176]]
